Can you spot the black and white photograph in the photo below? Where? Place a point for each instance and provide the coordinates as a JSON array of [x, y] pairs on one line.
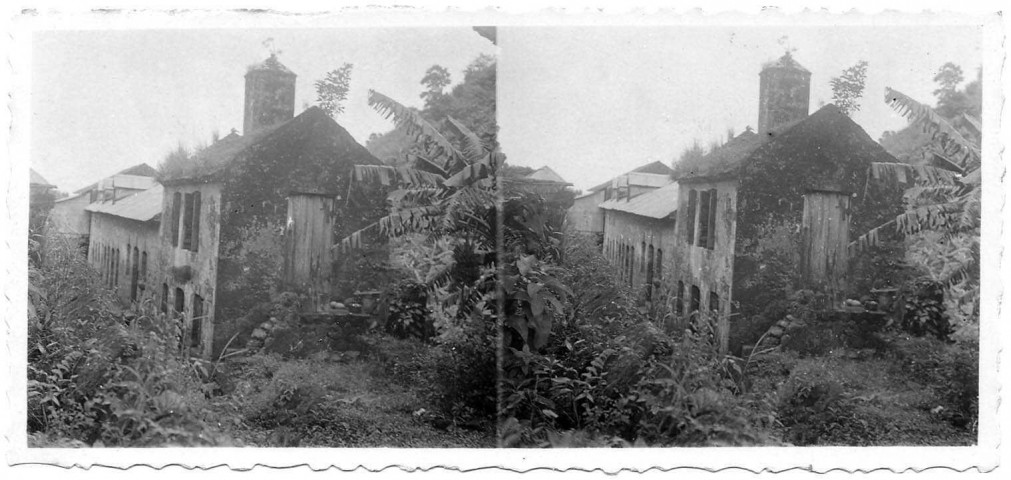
[[258, 238]]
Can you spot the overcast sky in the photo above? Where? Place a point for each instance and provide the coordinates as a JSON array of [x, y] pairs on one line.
[[106, 100], [594, 102], [591, 102]]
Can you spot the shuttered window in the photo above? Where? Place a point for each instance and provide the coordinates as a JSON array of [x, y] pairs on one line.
[[711, 221], [187, 221], [134, 270], [195, 220], [196, 326], [704, 204], [659, 264], [164, 298], [693, 200], [176, 210], [695, 299], [649, 272], [180, 301]]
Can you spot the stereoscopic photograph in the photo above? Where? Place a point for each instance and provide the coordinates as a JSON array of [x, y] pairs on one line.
[[470, 236]]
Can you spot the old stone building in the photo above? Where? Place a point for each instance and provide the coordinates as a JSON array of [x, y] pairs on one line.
[[70, 216], [586, 216], [637, 233], [247, 217], [800, 181], [124, 246], [40, 201]]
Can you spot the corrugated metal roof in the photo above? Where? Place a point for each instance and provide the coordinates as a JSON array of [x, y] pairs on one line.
[[656, 168], [133, 182], [659, 203], [639, 179], [141, 206], [140, 170]]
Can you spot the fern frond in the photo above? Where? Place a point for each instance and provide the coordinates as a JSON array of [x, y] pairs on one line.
[[904, 172], [469, 175], [409, 220], [412, 123], [974, 124], [413, 196], [387, 175], [354, 240], [870, 239], [473, 148], [951, 140]]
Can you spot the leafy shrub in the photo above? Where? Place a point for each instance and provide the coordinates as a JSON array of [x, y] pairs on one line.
[[814, 410], [951, 370], [455, 380], [610, 376], [923, 311], [408, 312], [832, 331], [747, 331], [94, 376], [461, 381]]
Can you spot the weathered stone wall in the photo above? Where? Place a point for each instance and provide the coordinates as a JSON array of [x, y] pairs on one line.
[[626, 234], [69, 216], [270, 99], [585, 216], [193, 270], [109, 233], [784, 96], [310, 154], [826, 151], [711, 270]]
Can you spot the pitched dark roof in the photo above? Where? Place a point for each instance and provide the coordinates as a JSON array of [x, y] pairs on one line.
[[141, 170], [720, 161], [311, 129], [546, 175], [824, 136]]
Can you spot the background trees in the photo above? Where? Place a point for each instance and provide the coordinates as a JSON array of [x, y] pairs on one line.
[[849, 87], [943, 199], [471, 103], [332, 90]]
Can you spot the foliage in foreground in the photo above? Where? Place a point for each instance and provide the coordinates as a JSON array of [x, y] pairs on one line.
[[98, 377], [443, 216], [943, 199], [610, 373]]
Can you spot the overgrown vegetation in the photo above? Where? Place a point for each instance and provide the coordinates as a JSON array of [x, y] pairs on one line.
[[99, 376], [590, 363]]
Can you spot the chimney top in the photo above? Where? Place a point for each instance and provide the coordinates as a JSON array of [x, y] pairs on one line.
[[785, 62], [271, 64]]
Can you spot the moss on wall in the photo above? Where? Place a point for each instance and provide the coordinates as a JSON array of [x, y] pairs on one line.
[[310, 154], [825, 151]]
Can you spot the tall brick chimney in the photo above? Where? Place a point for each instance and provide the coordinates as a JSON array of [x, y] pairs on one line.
[[784, 93], [270, 95]]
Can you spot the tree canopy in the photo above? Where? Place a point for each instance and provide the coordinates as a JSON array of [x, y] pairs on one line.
[[332, 90], [849, 87]]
